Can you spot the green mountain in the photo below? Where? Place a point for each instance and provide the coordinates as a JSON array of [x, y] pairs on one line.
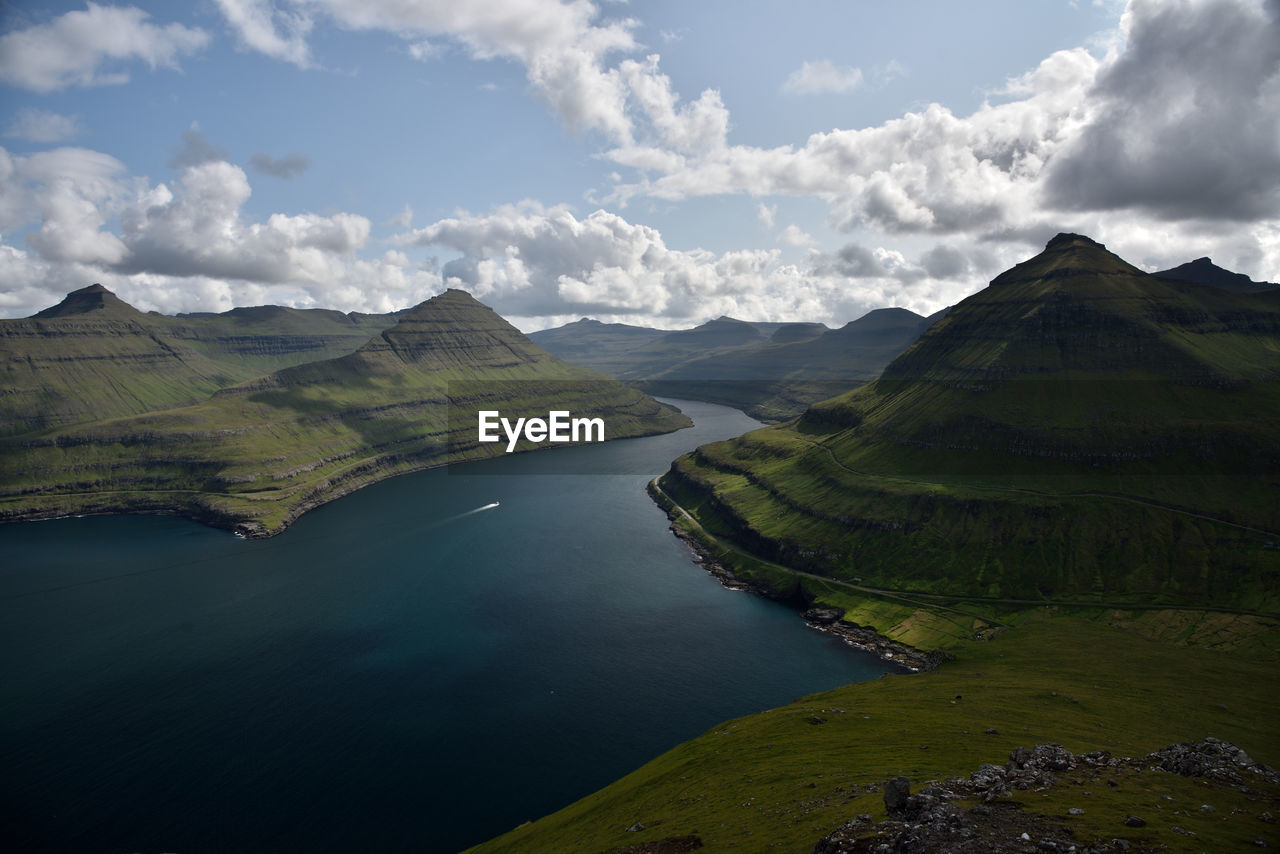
[[772, 371], [1079, 430], [254, 456], [1204, 272], [94, 356], [600, 346], [776, 378]]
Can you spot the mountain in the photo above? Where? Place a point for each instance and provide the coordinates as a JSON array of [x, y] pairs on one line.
[[776, 378], [256, 455], [1077, 429], [1202, 271], [772, 371], [673, 348], [93, 300], [592, 344], [94, 356]]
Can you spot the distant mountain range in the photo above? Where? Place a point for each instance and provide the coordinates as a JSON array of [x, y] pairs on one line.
[[769, 370], [773, 371], [256, 454], [1077, 429]]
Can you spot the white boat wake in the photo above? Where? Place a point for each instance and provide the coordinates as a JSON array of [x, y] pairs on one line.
[[468, 513]]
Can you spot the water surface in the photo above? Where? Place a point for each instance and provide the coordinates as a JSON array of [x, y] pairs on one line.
[[401, 670]]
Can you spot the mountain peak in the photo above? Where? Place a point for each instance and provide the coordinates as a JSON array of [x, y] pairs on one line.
[[452, 328], [1202, 271], [1066, 239], [87, 300], [1068, 255]]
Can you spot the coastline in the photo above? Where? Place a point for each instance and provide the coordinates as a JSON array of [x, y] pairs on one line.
[[197, 507], [828, 620]]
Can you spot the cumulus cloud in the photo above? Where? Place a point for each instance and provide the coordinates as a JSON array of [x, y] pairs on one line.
[[74, 48], [71, 193], [287, 167], [1163, 141], [530, 261], [198, 231], [35, 125], [1183, 122], [794, 236], [929, 171], [181, 247], [822, 77]]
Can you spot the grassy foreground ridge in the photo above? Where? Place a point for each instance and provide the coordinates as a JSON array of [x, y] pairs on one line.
[[782, 779]]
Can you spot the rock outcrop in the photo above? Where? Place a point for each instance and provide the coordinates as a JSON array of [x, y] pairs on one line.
[[936, 819]]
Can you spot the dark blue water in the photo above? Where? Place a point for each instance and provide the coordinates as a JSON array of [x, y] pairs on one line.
[[394, 673]]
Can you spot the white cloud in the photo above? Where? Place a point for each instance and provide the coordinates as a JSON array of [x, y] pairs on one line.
[[45, 126], [560, 44], [72, 193], [260, 26], [182, 247], [766, 214], [929, 171], [793, 236], [425, 50], [402, 220], [198, 231], [531, 261], [72, 49], [1171, 132], [822, 77]]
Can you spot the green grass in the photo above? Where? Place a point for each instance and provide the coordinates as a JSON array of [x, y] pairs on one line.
[[779, 781], [256, 455]]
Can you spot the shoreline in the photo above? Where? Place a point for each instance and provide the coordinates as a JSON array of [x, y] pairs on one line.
[[340, 485], [828, 620]]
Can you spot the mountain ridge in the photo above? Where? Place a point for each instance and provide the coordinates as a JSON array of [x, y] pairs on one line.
[[256, 455], [1073, 377]]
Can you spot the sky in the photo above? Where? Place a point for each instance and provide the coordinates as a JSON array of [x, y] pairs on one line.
[[656, 163]]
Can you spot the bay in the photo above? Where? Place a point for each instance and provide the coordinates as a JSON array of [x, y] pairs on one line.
[[406, 669]]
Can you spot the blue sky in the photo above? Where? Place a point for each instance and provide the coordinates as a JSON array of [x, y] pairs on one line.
[[646, 162]]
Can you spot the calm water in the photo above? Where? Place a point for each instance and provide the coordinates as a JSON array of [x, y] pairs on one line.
[[396, 672]]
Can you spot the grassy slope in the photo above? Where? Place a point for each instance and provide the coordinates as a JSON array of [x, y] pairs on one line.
[[259, 454], [1077, 430], [779, 781], [94, 357]]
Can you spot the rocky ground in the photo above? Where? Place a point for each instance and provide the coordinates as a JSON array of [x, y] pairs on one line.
[[982, 814]]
